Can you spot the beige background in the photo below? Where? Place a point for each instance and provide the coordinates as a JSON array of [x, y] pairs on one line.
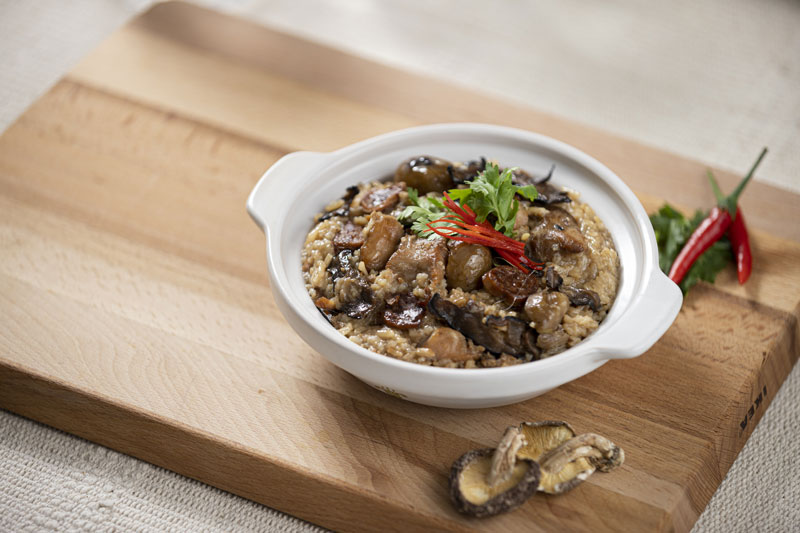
[[713, 81]]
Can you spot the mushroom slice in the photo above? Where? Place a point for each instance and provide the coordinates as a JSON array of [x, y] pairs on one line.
[[578, 296], [462, 173], [505, 456], [344, 209], [497, 334], [541, 437], [544, 437], [567, 465], [472, 493], [403, 311], [552, 279], [548, 194]]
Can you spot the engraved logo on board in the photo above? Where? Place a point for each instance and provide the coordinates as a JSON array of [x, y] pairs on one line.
[[755, 405]]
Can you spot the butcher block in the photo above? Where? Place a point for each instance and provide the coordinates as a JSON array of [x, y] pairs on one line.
[[137, 313]]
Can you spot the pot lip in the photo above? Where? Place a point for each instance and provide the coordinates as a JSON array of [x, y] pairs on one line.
[[597, 347]]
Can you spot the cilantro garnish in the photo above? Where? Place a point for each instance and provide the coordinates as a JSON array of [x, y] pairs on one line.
[[492, 193], [422, 211]]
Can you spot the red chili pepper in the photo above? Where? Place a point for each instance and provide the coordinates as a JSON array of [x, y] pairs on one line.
[[712, 227], [741, 246], [467, 229], [707, 233]]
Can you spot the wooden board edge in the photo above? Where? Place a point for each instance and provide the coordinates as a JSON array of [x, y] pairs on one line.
[[129, 431], [757, 394]]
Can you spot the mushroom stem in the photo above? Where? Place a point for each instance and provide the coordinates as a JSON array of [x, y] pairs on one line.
[[601, 452], [505, 456]]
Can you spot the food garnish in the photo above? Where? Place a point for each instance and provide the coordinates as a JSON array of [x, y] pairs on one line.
[[672, 231], [463, 214], [740, 241], [534, 456], [463, 225], [493, 193], [697, 249]]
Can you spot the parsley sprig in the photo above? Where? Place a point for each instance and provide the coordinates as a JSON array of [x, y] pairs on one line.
[[422, 211], [492, 193]]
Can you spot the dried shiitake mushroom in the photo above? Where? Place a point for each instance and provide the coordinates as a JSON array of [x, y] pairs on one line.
[[543, 437], [545, 456], [493, 480], [573, 461]]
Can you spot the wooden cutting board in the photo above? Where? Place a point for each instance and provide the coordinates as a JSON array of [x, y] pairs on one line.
[[136, 310]]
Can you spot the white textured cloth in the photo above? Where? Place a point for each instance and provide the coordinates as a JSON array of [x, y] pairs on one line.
[[50, 481], [712, 80]]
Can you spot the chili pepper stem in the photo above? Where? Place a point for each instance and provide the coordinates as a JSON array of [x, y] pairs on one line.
[[730, 202]]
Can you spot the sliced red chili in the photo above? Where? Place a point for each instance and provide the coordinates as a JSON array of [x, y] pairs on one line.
[[462, 226]]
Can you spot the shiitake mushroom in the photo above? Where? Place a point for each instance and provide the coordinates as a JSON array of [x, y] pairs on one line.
[[545, 456], [491, 481]]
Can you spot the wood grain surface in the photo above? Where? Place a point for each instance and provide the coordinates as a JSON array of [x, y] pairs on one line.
[[137, 312]]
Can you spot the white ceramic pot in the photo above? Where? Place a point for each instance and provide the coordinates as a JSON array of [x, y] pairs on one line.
[[294, 189]]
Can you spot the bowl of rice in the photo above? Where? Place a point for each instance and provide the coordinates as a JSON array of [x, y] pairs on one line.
[[619, 310]]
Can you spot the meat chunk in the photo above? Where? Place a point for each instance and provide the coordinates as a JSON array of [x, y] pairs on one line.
[[546, 310], [382, 199], [466, 264], [426, 174], [498, 335], [556, 232], [381, 241], [419, 256]]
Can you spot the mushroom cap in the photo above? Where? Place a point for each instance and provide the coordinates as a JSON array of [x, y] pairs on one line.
[[472, 494]]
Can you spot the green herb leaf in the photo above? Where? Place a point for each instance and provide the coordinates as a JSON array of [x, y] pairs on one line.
[[492, 194], [672, 230], [423, 211]]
